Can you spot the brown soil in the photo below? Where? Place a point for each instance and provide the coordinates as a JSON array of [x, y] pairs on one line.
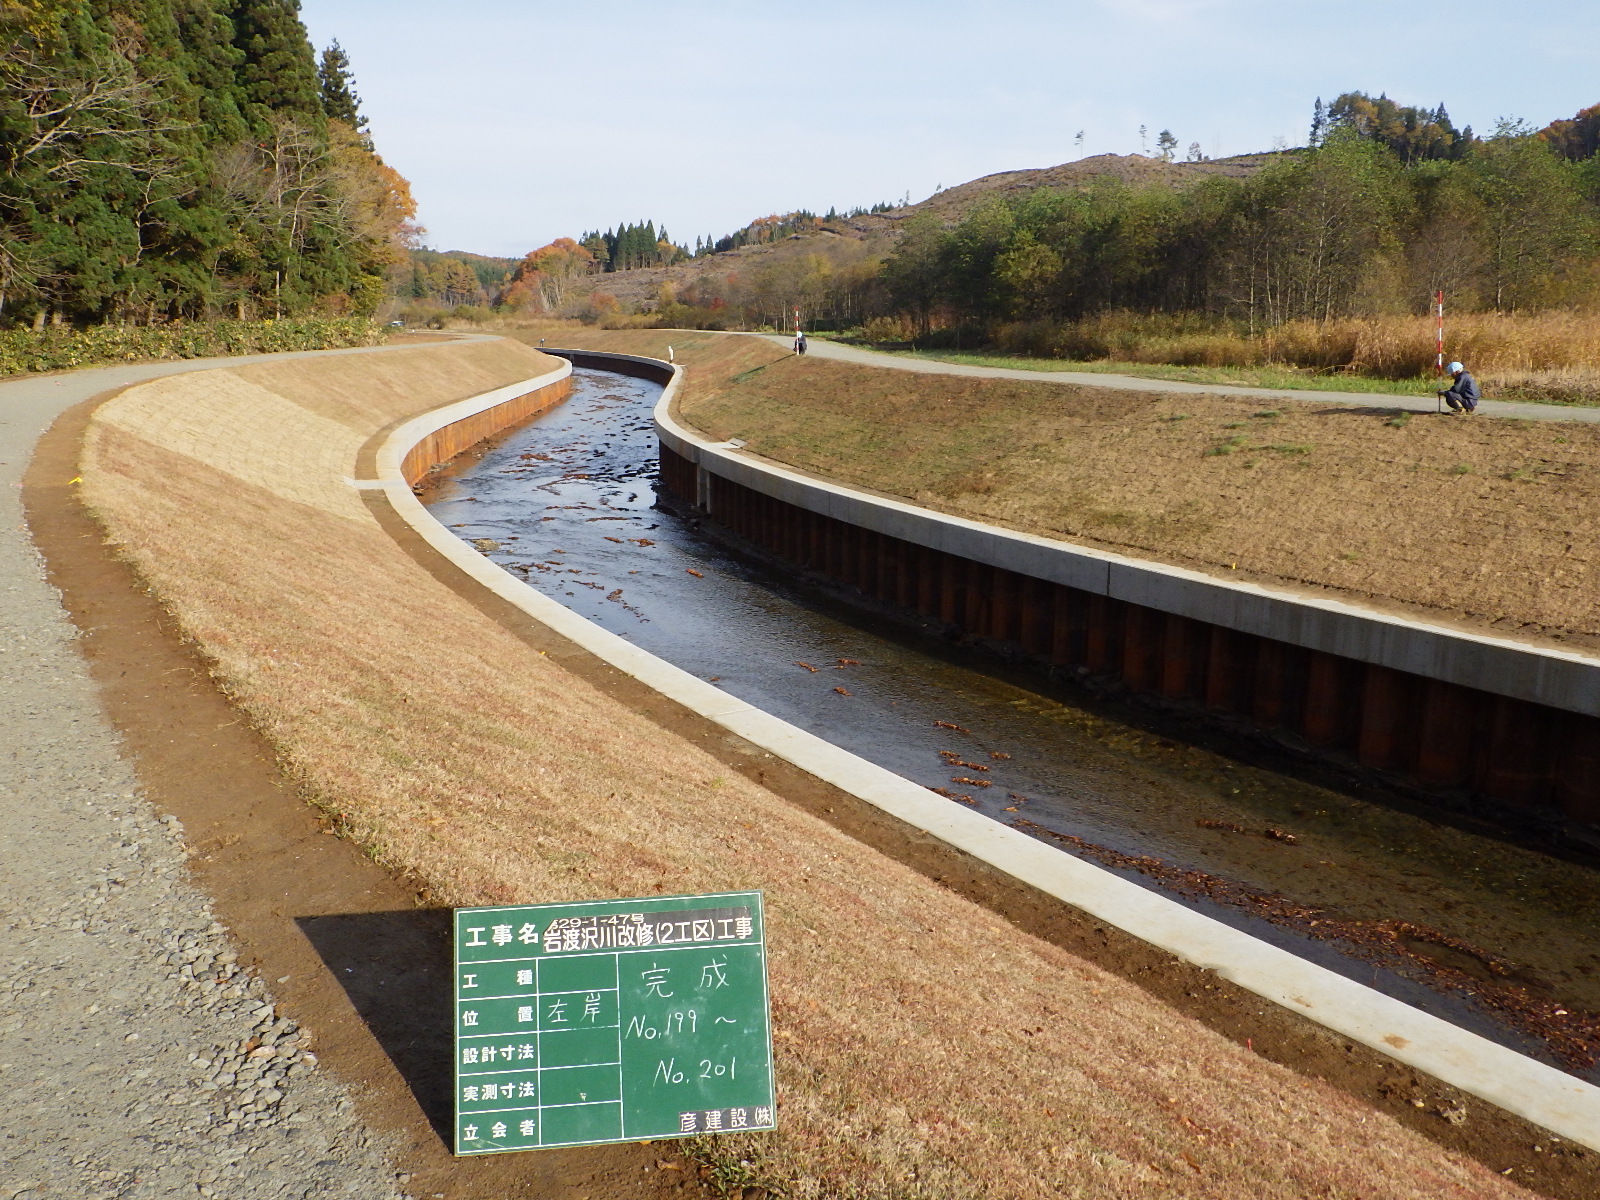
[[940, 1032], [1482, 522]]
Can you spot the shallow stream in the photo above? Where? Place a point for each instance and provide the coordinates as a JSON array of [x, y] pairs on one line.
[[1495, 936]]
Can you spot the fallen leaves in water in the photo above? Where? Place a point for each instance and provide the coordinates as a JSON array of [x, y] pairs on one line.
[[807, 666], [949, 795], [1276, 835], [692, 571], [962, 779], [948, 725], [843, 691], [955, 760], [998, 754], [849, 662], [1572, 1036]]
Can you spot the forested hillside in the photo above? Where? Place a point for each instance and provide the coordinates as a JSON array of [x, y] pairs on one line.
[[1384, 208], [451, 278], [184, 158]]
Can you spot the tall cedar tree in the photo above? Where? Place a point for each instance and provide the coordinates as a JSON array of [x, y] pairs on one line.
[[278, 74], [339, 99], [167, 158]]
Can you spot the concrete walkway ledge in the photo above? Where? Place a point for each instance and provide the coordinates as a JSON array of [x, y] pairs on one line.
[[1538, 1093]]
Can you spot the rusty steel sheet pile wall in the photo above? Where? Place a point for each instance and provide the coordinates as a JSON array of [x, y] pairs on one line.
[[442, 445], [1539, 761]]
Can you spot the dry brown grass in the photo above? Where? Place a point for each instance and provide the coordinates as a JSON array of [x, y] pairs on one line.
[[924, 1047], [1486, 521], [1548, 356]]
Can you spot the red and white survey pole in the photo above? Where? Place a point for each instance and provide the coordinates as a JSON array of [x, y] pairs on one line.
[[1438, 308], [797, 318]]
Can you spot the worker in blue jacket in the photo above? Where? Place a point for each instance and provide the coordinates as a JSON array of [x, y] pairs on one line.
[[1463, 395]]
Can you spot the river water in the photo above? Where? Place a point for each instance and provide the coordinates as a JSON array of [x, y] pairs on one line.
[[1495, 936]]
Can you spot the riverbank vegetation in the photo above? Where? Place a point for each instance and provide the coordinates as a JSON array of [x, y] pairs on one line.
[[59, 349], [1323, 262], [183, 160], [1551, 357]]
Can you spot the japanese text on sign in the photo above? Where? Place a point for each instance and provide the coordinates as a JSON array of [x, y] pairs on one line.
[[611, 1021]]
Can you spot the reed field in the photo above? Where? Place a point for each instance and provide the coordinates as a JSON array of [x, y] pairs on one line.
[[1552, 357]]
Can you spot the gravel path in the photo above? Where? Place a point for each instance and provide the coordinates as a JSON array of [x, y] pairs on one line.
[[136, 1058], [821, 348]]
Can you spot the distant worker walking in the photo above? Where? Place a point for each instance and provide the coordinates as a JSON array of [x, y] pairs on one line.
[[1463, 395], [800, 342]]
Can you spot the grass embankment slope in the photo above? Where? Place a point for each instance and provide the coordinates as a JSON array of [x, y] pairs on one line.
[[1487, 522], [925, 1048]]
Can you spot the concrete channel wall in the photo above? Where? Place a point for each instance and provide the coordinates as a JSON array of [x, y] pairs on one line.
[[1539, 1093], [440, 445], [1486, 723]]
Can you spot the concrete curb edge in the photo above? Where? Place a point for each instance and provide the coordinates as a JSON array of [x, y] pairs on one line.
[[1538, 674], [1538, 1093]]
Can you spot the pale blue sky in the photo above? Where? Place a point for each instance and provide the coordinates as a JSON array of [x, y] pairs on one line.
[[519, 121]]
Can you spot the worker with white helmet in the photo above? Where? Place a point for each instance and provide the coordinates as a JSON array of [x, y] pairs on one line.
[[1463, 395]]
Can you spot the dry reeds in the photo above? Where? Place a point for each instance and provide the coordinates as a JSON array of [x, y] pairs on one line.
[[1552, 355]]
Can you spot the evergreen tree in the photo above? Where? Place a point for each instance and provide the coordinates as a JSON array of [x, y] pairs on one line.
[[277, 73], [161, 160], [339, 100]]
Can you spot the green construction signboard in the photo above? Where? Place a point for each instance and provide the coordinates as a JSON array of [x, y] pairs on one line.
[[611, 1021]]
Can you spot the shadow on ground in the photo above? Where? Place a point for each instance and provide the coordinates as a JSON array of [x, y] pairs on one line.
[[396, 969]]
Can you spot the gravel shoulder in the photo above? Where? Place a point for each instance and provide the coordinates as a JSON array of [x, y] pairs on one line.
[[138, 1056], [202, 993]]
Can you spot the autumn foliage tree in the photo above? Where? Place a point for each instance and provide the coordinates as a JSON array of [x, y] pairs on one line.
[[544, 279]]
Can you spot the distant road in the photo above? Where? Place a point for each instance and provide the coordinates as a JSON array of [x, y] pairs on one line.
[[874, 358]]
